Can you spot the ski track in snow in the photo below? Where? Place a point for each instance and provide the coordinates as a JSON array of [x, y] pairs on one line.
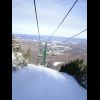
[[39, 83]]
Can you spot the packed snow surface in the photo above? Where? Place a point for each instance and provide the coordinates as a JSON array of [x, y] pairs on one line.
[[40, 83]]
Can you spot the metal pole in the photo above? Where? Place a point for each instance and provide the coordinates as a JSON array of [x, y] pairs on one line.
[[44, 54]]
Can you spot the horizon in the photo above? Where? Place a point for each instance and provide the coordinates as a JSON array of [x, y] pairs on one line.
[[47, 36]]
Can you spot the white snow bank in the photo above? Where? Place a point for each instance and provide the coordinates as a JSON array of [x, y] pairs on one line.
[[39, 83], [57, 63]]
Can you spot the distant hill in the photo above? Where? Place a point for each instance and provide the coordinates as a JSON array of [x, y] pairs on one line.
[[44, 38]]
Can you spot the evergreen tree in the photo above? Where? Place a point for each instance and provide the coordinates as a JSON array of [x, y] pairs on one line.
[[77, 69], [18, 60]]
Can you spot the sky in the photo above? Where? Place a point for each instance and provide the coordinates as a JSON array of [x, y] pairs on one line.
[[50, 14]]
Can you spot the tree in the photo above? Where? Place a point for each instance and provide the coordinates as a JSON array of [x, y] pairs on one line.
[[77, 69], [18, 60]]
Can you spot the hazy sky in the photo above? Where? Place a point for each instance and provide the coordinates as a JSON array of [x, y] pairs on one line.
[[50, 14]]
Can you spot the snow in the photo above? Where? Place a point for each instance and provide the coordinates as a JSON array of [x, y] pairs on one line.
[[57, 63], [40, 83]]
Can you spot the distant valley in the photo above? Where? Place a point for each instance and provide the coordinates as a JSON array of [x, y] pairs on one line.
[[70, 50]]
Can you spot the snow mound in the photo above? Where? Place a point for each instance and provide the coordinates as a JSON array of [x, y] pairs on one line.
[[39, 83]]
